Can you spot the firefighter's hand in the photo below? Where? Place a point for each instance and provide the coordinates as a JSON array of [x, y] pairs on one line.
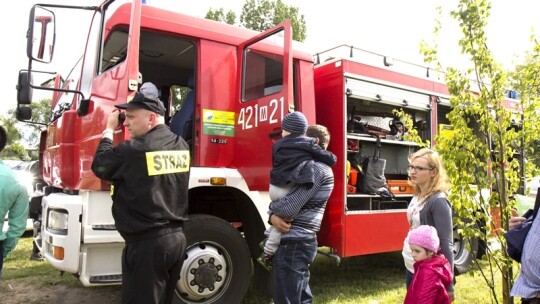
[[280, 224], [112, 120]]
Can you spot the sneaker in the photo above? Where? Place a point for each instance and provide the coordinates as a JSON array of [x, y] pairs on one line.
[[266, 261], [36, 256]]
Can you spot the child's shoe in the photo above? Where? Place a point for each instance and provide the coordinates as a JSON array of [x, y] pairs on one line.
[[266, 261], [262, 243]]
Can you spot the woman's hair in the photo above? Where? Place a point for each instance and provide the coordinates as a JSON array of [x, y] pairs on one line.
[[439, 183]]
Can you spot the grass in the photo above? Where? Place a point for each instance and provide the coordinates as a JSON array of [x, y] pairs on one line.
[[369, 279], [18, 266], [375, 279]]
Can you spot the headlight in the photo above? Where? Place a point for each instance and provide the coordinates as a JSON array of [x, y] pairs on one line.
[[57, 221]]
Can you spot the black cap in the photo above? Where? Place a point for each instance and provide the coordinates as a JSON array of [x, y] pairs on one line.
[[141, 102]]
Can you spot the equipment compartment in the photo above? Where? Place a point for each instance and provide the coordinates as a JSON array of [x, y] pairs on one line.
[[370, 114]]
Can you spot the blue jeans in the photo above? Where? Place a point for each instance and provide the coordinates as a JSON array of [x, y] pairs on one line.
[[291, 271]]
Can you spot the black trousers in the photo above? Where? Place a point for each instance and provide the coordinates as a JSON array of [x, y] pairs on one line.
[[151, 268], [530, 301]]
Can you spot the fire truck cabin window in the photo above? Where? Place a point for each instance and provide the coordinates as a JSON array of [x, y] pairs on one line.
[[263, 74], [115, 50]]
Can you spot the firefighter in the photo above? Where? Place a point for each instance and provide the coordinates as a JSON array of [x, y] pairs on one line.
[[149, 175]]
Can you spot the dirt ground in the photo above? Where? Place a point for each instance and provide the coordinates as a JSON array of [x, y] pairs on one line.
[[20, 291]]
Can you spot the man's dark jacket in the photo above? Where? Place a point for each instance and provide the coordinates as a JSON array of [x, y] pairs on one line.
[[150, 177]]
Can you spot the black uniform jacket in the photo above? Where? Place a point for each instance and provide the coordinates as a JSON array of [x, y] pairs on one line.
[[150, 176]]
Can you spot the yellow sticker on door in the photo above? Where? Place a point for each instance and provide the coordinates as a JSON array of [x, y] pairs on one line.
[[166, 162]]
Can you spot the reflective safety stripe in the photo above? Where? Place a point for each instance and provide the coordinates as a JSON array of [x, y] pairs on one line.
[[166, 162]]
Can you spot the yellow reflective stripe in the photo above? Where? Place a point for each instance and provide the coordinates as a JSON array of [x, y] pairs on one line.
[[166, 162]]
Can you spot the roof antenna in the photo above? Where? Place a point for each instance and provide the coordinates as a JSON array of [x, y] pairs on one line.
[[351, 55], [318, 60], [427, 72]]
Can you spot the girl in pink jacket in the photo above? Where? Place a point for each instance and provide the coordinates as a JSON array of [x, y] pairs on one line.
[[432, 271]]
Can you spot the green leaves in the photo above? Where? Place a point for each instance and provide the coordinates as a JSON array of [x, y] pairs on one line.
[[21, 135], [221, 16], [490, 133], [260, 15]]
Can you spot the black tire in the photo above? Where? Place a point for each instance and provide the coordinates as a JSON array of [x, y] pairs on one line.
[[217, 266], [463, 254]]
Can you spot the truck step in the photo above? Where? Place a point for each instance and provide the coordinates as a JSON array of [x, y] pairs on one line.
[[104, 227], [106, 279]]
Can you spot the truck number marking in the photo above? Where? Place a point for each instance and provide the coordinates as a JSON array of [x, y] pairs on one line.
[[251, 116], [218, 141]]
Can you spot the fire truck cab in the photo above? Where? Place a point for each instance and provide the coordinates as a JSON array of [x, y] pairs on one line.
[[241, 86]]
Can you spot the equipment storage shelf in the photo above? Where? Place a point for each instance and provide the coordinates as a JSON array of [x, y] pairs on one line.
[[369, 138], [366, 202], [396, 153]]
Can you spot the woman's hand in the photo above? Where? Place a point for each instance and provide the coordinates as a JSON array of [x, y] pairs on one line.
[[515, 221]]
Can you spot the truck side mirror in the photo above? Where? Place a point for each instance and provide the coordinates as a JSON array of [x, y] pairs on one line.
[[23, 113], [41, 34], [24, 91]]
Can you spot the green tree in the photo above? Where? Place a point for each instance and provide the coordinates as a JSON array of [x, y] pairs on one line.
[[30, 131], [488, 133], [179, 96], [14, 149], [260, 15], [525, 80], [25, 132], [221, 16]]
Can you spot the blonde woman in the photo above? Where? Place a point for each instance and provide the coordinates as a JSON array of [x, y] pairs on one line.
[[429, 206]]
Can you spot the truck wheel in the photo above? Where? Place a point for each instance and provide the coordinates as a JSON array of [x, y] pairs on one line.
[[217, 265], [463, 254]]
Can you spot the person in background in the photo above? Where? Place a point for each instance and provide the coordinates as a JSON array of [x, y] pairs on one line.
[[429, 206], [432, 272], [291, 166], [37, 184], [13, 204], [527, 284], [150, 177], [298, 245]]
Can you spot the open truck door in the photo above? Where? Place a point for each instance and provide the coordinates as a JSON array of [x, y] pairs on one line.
[[265, 96]]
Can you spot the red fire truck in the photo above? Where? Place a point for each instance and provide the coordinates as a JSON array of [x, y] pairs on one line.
[[241, 84]]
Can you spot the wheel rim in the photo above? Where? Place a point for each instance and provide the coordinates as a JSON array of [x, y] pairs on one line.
[[205, 272], [460, 247]]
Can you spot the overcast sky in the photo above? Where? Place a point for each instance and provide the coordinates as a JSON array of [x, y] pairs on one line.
[[389, 27]]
